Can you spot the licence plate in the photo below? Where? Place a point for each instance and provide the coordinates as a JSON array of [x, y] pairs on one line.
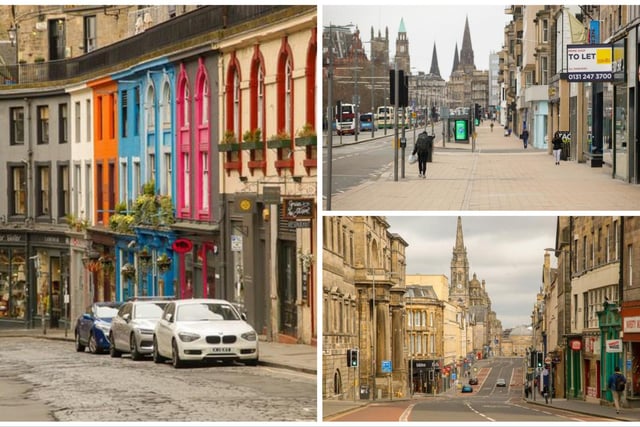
[[221, 350]]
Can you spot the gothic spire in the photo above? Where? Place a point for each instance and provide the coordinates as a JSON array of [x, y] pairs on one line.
[[459, 238], [455, 60], [435, 70], [466, 52]]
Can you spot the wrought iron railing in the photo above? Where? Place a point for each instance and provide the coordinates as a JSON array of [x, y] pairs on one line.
[[177, 31]]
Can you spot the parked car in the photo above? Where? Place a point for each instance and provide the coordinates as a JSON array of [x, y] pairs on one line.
[[467, 388], [501, 382], [473, 381], [132, 328], [366, 122], [93, 326], [204, 329]]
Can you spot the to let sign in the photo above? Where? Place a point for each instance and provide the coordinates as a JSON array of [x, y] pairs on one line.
[[631, 324], [614, 346], [297, 208]]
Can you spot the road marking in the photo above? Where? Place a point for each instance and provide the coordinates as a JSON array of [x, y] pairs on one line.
[[405, 415], [479, 413]]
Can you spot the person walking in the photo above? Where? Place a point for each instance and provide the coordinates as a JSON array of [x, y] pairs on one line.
[[525, 137], [557, 146], [617, 383], [423, 146], [491, 126]]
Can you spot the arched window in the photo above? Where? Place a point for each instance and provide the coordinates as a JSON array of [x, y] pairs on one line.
[[236, 102], [183, 148], [166, 106], [288, 98], [151, 108], [260, 106], [203, 160]]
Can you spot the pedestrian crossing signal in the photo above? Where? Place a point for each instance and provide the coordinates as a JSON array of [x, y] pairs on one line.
[[352, 357]]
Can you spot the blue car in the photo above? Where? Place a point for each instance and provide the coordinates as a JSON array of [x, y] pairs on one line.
[[467, 388], [92, 328]]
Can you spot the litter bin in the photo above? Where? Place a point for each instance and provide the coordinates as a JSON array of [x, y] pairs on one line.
[[364, 392], [430, 145]]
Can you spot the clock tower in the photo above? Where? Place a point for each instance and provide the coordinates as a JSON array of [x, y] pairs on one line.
[[459, 283]]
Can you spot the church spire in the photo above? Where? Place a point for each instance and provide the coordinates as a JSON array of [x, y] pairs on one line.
[[466, 52], [435, 70], [459, 238], [455, 60]]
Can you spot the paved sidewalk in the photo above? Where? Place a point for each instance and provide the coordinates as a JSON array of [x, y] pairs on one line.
[[297, 357], [499, 175], [588, 408]]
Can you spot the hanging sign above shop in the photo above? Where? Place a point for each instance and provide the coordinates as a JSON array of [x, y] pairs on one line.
[[589, 63]]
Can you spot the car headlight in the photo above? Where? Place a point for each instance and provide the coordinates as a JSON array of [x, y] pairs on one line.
[[249, 336], [188, 336]]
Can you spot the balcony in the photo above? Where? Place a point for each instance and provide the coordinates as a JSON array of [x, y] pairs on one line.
[[181, 32]]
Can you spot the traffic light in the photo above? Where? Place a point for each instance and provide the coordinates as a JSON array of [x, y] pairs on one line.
[[477, 111], [352, 357], [403, 88], [540, 359]]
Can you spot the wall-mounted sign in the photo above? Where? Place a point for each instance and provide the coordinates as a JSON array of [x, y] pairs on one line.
[[589, 63], [236, 243], [182, 245], [270, 195], [576, 344], [297, 209], [631, 324], [613, 346]]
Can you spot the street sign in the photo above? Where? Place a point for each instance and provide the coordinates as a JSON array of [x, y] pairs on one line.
[[386, 366], [299, 224]]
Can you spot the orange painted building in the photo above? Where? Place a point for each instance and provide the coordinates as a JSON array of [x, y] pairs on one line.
[[105, 148]]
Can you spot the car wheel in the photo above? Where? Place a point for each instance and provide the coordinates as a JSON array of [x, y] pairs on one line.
[[93, 344], [79, 346], [113, 351], [251, 362], [157, 358], [135, 354], [175, 356]]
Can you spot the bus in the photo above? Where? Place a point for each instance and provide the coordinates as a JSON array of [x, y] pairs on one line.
[[345, 119], [384, 117]]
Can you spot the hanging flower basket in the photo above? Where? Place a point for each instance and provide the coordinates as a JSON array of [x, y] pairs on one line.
[[145, 258], [128, 271], [164, 263]]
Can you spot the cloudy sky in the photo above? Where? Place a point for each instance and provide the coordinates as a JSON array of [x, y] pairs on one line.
[[442, 24], [506, 251]]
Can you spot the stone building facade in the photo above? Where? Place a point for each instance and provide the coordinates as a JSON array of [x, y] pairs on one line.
[[363, 274]]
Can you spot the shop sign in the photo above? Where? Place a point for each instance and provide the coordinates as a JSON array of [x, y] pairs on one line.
[[182, 246], [297, 209], [270, 195], [576, 345], [631, 324], [11, 237], [614, 346]]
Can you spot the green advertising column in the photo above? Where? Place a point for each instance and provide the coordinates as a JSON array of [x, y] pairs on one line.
[[609, 322]]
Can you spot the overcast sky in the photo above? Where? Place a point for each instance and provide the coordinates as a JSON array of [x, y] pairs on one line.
[[506, 251], [425, 25]]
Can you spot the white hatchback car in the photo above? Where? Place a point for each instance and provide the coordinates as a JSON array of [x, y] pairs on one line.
[[204, 329]]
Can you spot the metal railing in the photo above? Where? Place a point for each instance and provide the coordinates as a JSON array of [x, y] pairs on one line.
[[159, 38]]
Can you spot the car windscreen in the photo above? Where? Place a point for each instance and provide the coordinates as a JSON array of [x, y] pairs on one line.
[[365, 118], [104, 312], [149, 311], [195, 312]]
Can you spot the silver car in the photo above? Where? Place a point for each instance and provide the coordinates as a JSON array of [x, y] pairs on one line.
[[132, 328]]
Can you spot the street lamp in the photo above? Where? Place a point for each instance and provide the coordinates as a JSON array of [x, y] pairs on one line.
[[329, 109]]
